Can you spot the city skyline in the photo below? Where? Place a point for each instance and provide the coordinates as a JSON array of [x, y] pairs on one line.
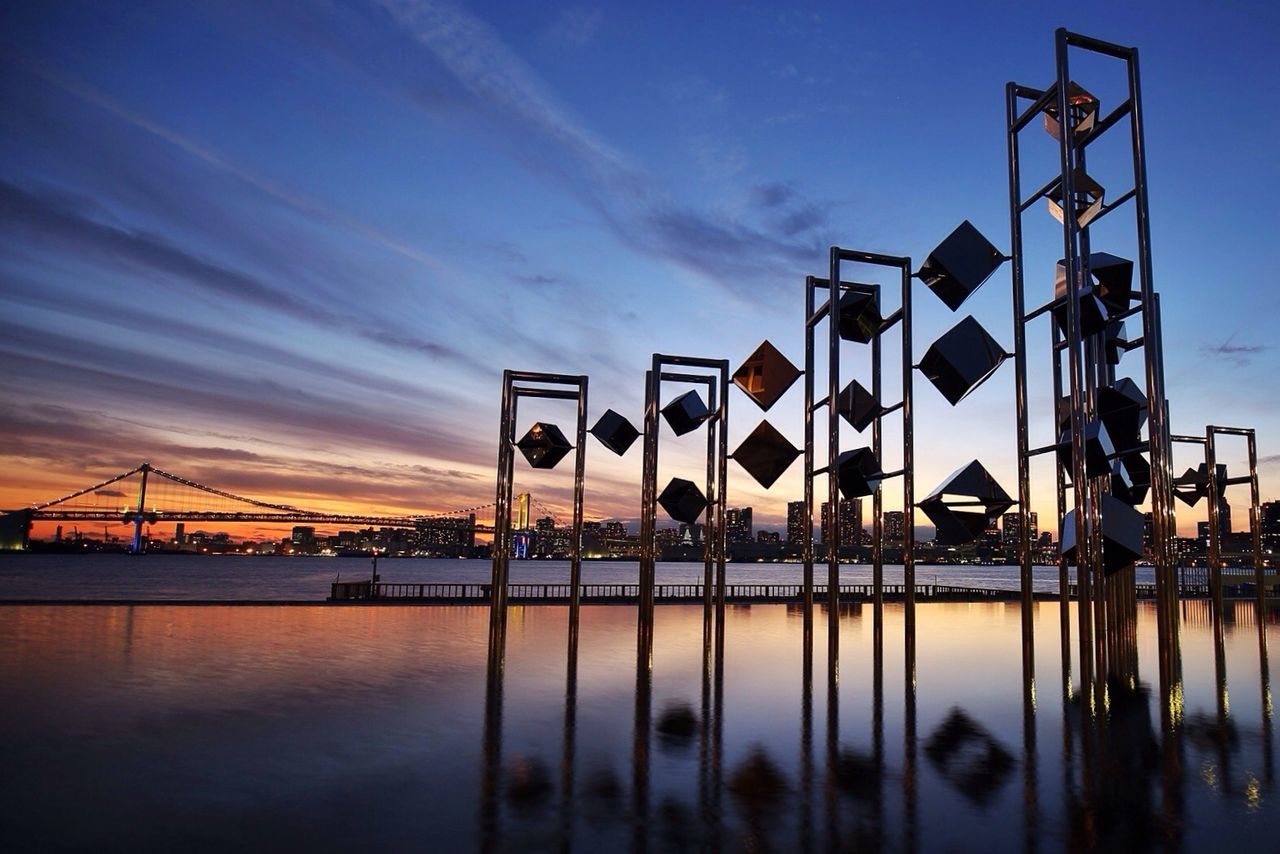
[[314, 306]]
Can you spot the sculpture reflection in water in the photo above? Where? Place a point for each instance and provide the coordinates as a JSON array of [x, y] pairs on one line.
[[1132, 775]]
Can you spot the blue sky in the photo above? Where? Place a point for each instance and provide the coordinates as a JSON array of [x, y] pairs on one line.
[[287, 249]]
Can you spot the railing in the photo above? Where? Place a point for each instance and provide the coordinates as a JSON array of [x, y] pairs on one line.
[[354, 591]]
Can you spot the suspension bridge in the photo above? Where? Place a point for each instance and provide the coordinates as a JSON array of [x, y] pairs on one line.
[[147, 495]]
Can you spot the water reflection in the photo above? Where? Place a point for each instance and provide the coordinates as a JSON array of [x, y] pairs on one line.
[[357, 727]]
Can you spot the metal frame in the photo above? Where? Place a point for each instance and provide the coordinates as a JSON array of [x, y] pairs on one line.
[[1087, 368], [511, 394], [813, 316], [717, 383]]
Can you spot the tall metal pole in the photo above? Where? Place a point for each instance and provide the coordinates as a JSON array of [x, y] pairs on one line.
[[908, 479], [649, 495], [807, 515], [833, 453], [579, 478], [722, 481], [502, 516]]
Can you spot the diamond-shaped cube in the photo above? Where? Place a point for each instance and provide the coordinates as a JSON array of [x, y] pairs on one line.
[[1088, 203], [1093, 311], [1131, 478], [615, 432], [686, 413], [1082, 107], [1117, 341], [1114, 277], [544, 446], [1193, 484], [859, 315], [967, 503], [683, 501], [858, 473], [766, 454], [962, 359], [1098, 450], [1122, 528], [959, 265], [1122, 407], [858, 406], [766, 375]]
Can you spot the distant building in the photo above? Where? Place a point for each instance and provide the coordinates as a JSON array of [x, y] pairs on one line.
[[303, 538], [1010, 524], [796, 533], [179, 533], [615, 530], [850, 522], [737, 525], [894, 525], [520, 518], [768, 537]]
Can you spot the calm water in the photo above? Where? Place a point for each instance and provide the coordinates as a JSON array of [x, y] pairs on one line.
[[28, 576], [357, 728]]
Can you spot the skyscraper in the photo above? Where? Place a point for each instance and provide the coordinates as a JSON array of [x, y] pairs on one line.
[[737, 524], [893, 526], [796, 534], [850, 521]]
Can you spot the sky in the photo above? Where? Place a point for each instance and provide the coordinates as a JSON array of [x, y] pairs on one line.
[[287, 249]]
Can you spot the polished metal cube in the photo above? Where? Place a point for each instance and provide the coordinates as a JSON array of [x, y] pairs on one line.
[[966, 504], [959, 265], [1114, 277], [1122, 408], [615, 432], [683, 501], [686, 413], [859, 314], [1122, 529], [1082, 109], [766, 375], [1088, 204], [766, 454], [858, 473], [1098, 450], [544, 446], [858, 406], [962, 359]]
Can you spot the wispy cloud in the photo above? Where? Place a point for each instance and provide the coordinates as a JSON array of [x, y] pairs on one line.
[[630, 202], [575, 27], [1241, 354]]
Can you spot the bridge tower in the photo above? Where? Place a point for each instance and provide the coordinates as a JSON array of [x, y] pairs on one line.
[[522, 514], [138, 514]]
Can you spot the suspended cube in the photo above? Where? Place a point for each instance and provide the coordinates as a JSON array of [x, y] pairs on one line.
[[858, 406], [859, 315], [686, 413], [1082, 108], [1098, 450], [1122, 528], [1093, 311], [766, 454], [544, 446], [1121, 483], [1138, 472], [962, 359], [683, 501], [858, 473], [1088, 204], [967, 503], [1117, 341], [1122, 407], [615, 432], [1114, 277], [1194, 484], [959, 265], [766, 375]]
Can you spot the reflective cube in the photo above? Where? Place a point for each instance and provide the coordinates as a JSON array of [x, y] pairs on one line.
[[766, 375], [615, 432], [859, 315], [1082, 108], [1098, 450], [683, 501], [1088, 203], [766, 454], [686, 413], [858, 473], [858, 406], [959, 265], [1122, 407], [962, 359], [1122, 528], [544, 446], [967, 503]]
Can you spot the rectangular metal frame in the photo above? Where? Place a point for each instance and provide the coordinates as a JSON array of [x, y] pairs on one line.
[[717, 425], [1087, 366], [511, 395]]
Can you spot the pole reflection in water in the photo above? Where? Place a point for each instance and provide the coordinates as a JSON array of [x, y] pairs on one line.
[[1120, 767], [491, 774]]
